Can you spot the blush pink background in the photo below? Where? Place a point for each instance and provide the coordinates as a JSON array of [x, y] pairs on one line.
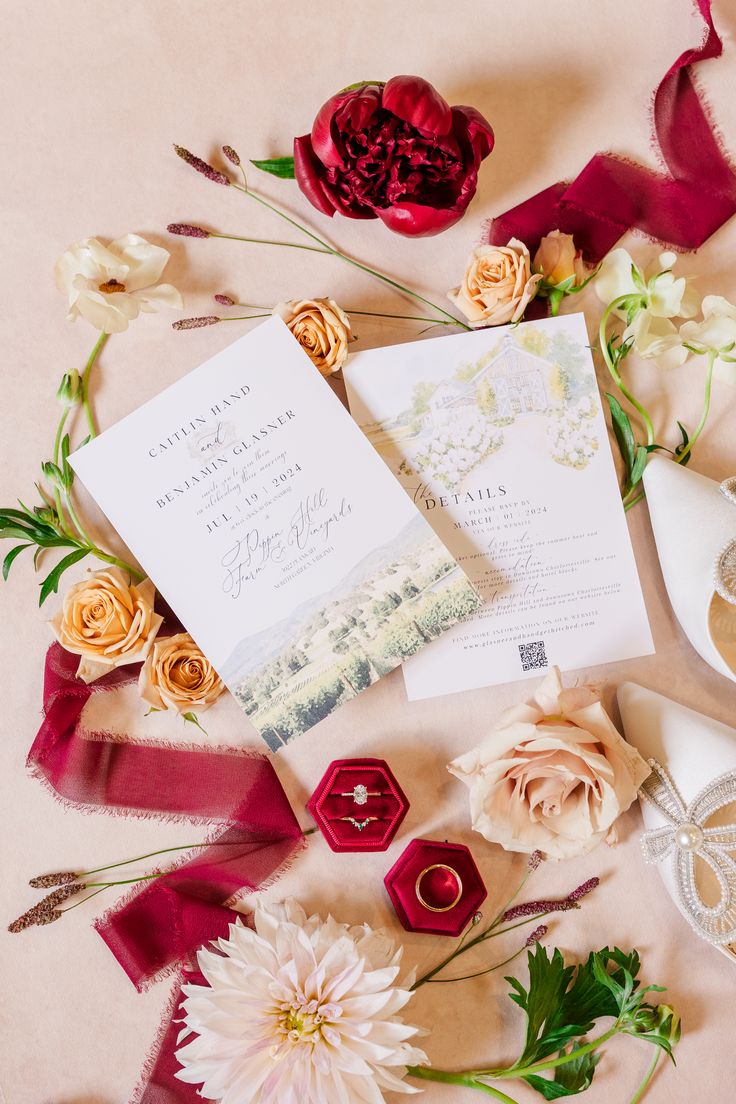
[[93, 97]]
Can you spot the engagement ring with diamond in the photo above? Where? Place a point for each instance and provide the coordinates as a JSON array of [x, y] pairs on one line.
[[360, 794]]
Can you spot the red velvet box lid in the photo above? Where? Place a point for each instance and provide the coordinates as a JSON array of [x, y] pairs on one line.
[[328, 806], [421, 856]]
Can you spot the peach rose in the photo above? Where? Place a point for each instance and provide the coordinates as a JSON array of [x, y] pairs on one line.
[[108, 621], [497, 286], [557, 259], [321, 328], [553, 775], [176, 675]]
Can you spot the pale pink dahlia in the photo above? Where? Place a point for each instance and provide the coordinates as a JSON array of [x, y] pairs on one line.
[[300, 1011]]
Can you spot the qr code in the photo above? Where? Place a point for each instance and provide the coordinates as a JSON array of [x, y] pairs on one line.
[[533, 656]]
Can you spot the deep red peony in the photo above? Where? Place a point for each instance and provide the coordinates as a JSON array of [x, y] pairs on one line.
[[395, 151]]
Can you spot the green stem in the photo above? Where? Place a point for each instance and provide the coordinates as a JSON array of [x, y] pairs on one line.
[[55, 459], [552, 1063], [629, 504], [99, 345], [712, 356], [242, 317], [427, 1073], [268, 241], [647, 1078], [115, 561], [367, 314], [462, 946], [139, 858], [614, 372], [480, 973], [325, 246]]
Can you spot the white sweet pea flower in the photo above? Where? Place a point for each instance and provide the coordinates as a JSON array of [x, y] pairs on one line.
[[715, 334], [109, 285], [661, 293], [657, 338], [649, 303]]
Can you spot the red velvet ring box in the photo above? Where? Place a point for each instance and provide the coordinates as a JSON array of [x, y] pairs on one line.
[[435, 887], [358, 805]]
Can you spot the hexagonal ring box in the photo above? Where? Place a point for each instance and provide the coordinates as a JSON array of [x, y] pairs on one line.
[[358, 805], [435, 887]]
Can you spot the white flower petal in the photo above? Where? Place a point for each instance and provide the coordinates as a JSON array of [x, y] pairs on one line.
[[300, 1011], [614, 277]]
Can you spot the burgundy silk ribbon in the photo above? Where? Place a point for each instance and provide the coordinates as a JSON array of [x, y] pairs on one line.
[[239, 791], [681, 207]]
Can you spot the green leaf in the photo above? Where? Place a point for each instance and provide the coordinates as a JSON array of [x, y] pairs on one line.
[[50, 585], [282, 167], [685, 442], [637, 277], [561, 1004], [624, 434], [11, 556], [67, 473], [569, 1080], [640, 462]]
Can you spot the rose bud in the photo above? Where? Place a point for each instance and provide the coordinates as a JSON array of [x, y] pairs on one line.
[[395, 151], [557, 259]]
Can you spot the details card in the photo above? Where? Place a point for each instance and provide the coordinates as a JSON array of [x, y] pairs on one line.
[[275, 532], [498, 437]]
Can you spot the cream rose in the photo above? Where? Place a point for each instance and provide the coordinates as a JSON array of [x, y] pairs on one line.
[[557, 259], [108, 621], [553, 775], [497, 286], [176, 675], [321, 328]]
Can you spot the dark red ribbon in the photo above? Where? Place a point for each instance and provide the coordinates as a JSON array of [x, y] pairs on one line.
[[681, 207], [183, 909]]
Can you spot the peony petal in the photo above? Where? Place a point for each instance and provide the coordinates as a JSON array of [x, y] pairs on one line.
[[325, 137], [477, 128], [414, 220], [307, 169], [418, 102]]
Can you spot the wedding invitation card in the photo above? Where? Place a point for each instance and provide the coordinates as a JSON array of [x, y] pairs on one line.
[[498, 437], [274, 531]]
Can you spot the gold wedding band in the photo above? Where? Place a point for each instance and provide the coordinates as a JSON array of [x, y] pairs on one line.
[[438, 908]]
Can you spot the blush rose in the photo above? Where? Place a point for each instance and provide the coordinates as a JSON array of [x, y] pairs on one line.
[[497, 285], [553, 775]]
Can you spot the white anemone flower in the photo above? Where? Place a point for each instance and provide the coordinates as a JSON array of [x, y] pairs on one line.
[[298, 1011], [109, 285], [716, 334]]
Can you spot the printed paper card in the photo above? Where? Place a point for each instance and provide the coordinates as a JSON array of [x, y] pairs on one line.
[[274, 531], [499, 437]]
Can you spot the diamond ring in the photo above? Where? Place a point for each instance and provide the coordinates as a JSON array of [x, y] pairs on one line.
[[361, 793], [360, 824]]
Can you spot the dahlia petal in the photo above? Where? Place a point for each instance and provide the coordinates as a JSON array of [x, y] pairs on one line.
[[418, 102]]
